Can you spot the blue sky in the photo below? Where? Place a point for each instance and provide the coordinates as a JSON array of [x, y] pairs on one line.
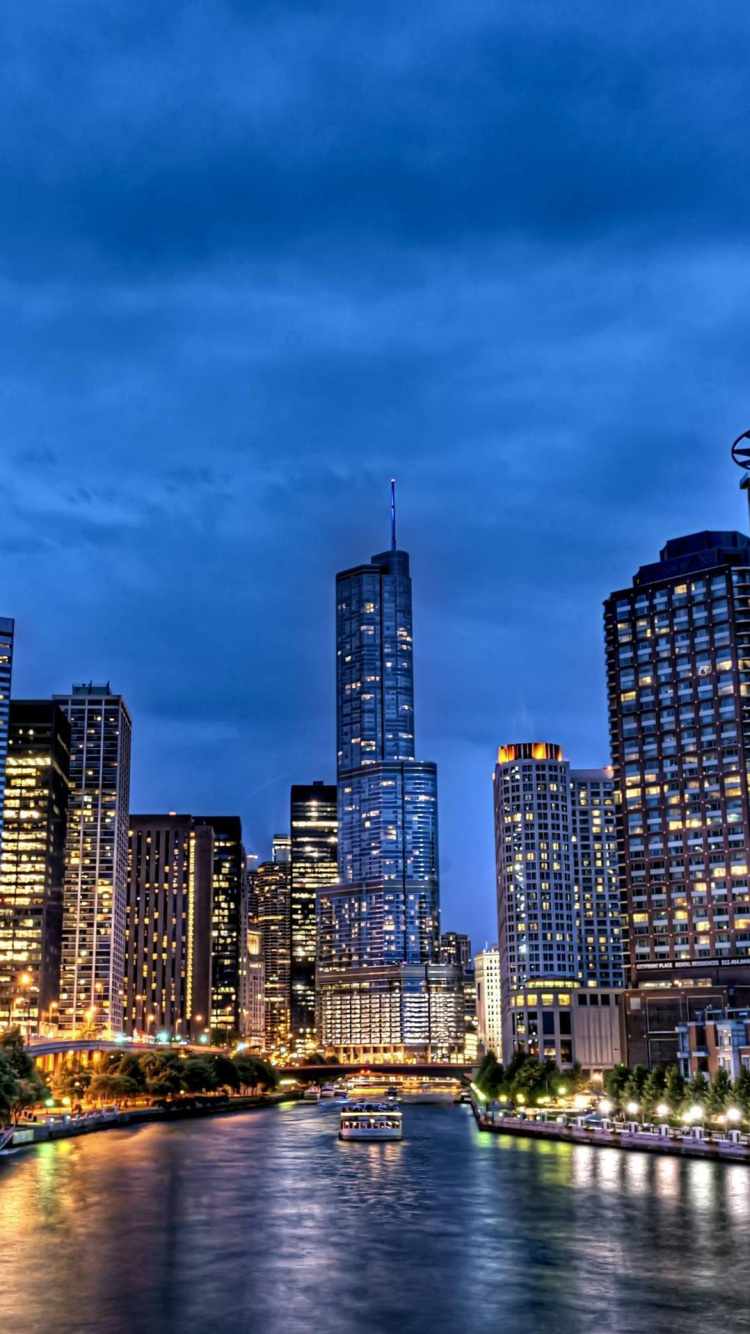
[[257, 258]]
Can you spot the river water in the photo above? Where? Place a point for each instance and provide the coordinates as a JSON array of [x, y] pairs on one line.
[[264, 1222]]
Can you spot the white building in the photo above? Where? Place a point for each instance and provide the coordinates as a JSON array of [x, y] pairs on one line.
[[557, 896], [489, 1022]]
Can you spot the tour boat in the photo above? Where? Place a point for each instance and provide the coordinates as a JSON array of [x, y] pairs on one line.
[[311, 1094], [327, 1091], [371, 1121]]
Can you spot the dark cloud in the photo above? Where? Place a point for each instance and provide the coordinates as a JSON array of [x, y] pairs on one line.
[[256, 259]]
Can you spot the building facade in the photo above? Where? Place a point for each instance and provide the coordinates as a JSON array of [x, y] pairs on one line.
[[253, 999], [96, 860], [32, 864], [378, 927], [168, 925], [270, 893], [7, 634], [678, 675], [313, 860], [559, 926], [229, 897], [489, 1012]]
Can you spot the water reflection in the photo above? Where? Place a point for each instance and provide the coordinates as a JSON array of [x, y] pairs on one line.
[[267, 1222]]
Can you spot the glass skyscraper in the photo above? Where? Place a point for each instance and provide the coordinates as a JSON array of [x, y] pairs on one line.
[[313, 866], [378, 927], [32, 864]]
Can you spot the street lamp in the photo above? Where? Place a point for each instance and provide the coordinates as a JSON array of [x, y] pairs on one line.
[[662, 1109], [632, 1108], [734, 1114]]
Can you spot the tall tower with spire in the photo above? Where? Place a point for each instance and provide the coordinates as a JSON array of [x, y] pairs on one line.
[[378, 928]]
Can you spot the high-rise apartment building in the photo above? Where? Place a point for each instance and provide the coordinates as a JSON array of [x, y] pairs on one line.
[[557, 894], [378, 926], [96, 860], [7, 630], [32, 864], [455, 949], [313, 859], [489, 1022], [252, 999], [270, 889], [678, 673], [227, 924], [168, 925]]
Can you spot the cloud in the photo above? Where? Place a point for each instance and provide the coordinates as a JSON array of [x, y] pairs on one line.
[[258, 258]]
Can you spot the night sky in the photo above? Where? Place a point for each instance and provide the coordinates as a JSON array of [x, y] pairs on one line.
[[257, 258]]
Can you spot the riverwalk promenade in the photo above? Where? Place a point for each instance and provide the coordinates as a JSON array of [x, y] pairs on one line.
[[689, 1141]]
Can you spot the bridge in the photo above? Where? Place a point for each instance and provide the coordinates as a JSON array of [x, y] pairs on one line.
[[50, 1051], [422, 1070]]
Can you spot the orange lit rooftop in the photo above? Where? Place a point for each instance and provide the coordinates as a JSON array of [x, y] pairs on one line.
[[530, 750]]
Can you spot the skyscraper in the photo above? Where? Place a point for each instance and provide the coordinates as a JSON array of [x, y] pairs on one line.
[[378, 926], [557, 894], [270, 885], [678, 672], [168, 925], [7, 629], [252, 999], [489, 1022], [32, 864], [227, 927], [314, 865], [96, 859]]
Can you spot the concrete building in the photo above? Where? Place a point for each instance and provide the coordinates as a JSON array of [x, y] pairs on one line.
[[253, 1000], [168, 953], [32, 864], [489, 1012], [96, 860], [678, 675], [270, 891]]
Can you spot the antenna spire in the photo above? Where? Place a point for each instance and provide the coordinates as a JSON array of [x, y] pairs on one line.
[[393, 514]]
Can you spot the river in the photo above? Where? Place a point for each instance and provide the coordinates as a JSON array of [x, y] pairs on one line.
[[263, 1222]]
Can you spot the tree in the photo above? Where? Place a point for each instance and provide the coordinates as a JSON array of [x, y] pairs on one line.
[[8, 1084], [652, 1092], [225, 1073], [614, 1083], [634, 1085], [105, 1085], [198, 1075], [697, 1089], [71, 1079], [674, 1088], [741, 1090], [254, 1073], [490, 1076], [125, 1063], [29, 1087], [719, 1095]]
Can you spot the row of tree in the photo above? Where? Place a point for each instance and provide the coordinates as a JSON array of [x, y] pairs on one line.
[[650, 1089], [526, 1077], [529, 1079], [161, 1074]]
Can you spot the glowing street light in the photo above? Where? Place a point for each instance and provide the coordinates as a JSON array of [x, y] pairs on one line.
[[605, 1106], [633, 1108], [734, 1114], [662, 1109]]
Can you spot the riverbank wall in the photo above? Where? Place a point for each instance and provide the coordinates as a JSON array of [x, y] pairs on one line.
[[27, 1134], [692, 1142]]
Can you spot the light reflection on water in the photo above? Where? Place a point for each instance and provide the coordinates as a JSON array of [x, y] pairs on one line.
[[265, 1222]]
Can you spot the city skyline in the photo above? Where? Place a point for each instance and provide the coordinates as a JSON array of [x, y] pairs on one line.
[[265, 807], [203, 385]]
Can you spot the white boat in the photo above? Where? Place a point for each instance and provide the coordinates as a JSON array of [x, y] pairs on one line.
[[327, 1091], [311, 1094], [371, 1122]]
